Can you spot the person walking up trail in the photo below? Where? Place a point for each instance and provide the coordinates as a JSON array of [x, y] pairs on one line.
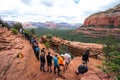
[[43, 51], [85, 56], [61, 61], [36, 48], [49, 62], [56, 64], [37, 52], [42, 62], [67, 58]]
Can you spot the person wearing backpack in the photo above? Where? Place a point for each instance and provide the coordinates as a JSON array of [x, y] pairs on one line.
[[43, 51], [81, 70], [85, 56], [37, 52]]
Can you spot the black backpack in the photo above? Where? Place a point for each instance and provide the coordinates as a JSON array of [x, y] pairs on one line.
[[82, 69]]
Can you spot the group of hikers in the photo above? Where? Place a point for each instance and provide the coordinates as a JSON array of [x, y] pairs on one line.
[[60, 62]]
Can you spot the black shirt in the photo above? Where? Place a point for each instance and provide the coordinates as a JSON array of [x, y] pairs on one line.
[[49, 58], [42, 59], [85, 57]]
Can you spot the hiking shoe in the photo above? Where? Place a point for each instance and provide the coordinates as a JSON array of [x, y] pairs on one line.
[[76, 73], [40, 69]]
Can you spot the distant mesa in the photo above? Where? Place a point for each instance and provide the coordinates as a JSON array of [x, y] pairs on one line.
[[110, 17], [48, 24]]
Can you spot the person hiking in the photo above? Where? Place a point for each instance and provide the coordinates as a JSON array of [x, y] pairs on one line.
[[32, 40], [61, 61], [21, 30], [49, 62], [43, 51], [81, 70], [85, 56], [42, 62], [67, 58], [37, 49], [35, 43], [56, 64]]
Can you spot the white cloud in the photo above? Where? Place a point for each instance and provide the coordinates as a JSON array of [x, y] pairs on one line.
[[74, 11]]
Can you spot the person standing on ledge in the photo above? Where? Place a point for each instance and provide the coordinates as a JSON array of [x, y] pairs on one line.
[[85, 56]]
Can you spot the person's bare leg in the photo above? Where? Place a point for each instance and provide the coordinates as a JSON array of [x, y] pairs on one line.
[[64, 68]]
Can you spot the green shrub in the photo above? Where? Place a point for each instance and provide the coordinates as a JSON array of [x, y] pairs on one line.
[[17, 26], [32, 31], [15, 31], [28, 32], [49, 36], [112, 60], [47, 44]]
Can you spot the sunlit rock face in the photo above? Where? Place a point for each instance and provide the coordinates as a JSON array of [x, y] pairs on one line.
[[106, 18], [13, 67]]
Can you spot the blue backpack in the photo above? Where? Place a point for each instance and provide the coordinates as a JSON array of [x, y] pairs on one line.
[[37, 49]]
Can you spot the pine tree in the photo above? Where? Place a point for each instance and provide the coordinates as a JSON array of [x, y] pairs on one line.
[[32, 31], [17, 26]]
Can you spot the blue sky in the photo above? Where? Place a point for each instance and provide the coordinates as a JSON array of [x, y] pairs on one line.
[[71, 11]]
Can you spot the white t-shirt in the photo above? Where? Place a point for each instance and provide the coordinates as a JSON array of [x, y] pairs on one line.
[[67, 58]]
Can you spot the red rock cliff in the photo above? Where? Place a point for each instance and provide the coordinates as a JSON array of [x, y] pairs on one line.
[[109, 17]]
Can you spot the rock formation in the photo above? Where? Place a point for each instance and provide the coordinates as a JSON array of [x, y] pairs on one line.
[[76, 48], [12, 67], [106, 18], [98, 32], [103, 23]]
